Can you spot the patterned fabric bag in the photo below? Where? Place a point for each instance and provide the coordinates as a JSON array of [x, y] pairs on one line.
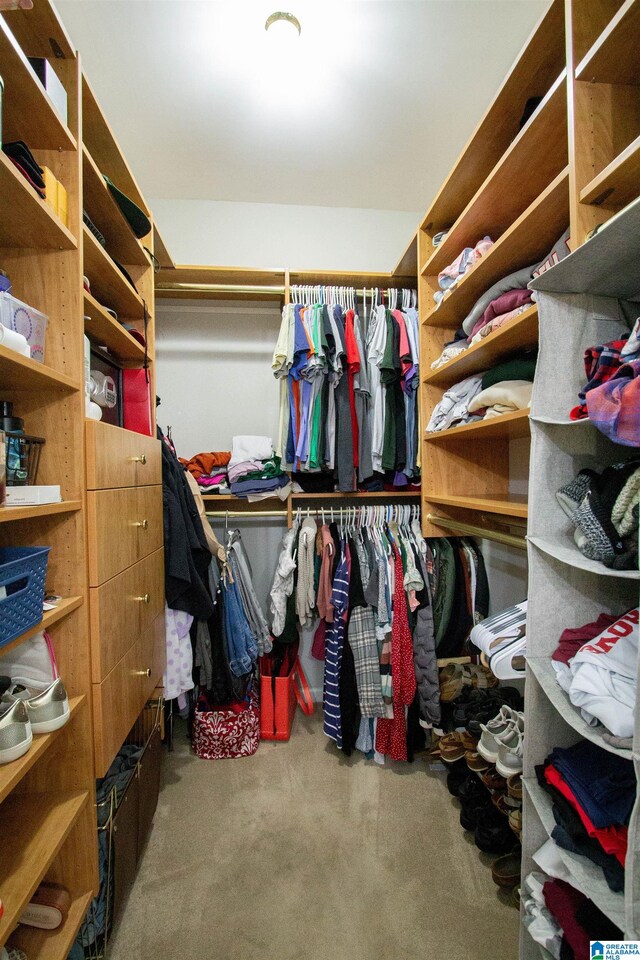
[[221, 734]]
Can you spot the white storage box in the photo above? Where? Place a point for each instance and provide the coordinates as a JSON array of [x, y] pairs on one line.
[[26, 320]]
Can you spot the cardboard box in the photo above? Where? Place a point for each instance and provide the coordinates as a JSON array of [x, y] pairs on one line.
[[49, 80], [29, 496]]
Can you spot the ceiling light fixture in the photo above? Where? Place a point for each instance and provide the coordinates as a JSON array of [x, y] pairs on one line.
[[283, 18]]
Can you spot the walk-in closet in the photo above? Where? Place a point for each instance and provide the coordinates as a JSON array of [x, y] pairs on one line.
[[319, 492]]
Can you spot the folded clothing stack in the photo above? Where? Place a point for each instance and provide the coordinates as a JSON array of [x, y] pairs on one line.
[[503, 301], [611, 395], [557, 915], [210, 470], [502, 638], [448, 277], [596, 665], [254, 468], [503, 389], [593, 793], [604, 508]]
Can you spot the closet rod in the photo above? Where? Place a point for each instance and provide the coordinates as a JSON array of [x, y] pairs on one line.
[[232, 514], [219, 288], [485, 534]]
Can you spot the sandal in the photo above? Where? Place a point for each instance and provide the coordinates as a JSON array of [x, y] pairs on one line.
[[451, 682], [505, 871], [514, 786]]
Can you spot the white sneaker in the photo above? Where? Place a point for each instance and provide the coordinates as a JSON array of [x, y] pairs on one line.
[[510, 752], [502, 723], [15, 731], [47, 704]]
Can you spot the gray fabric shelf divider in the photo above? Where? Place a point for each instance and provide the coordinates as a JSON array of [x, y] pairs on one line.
[[582, 301]]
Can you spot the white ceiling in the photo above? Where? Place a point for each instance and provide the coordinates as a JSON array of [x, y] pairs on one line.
[[368, 108]]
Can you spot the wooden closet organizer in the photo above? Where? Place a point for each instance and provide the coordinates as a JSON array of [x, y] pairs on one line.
[[575, 162], [47, 814]]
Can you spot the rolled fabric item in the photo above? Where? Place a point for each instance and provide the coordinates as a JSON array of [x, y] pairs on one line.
[[614, 407], [14, 341]]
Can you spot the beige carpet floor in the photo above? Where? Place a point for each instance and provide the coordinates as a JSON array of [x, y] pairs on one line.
[[299, 853]]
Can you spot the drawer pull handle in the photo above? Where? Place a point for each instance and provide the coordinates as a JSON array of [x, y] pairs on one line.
[[143, 673], [141, 459], [145, 598], [141, 523]]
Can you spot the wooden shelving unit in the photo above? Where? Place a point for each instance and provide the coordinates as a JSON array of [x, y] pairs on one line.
[[514, 187], [603, 92], [36, 223], [108, 284], [101, 327], [34, 376], [613, 58], [105, 213], [9, 514], [521, 333]]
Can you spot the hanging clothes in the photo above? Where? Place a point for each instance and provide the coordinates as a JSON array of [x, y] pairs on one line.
[[348, 389], [378, 595]]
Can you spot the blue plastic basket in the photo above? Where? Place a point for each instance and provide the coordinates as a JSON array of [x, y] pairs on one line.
[[22, 575]]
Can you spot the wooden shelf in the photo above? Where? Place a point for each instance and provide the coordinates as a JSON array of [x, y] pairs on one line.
[[160, 250], [189, 282], [66, 606], [533, 72], [526, 241], [7, 514], [360, 495], [33, 829], [508, 426], [587, 876], [102, 328], [511, 507], [23, 373], [613, 58], [542, 669], [40, 34], [408, 264], [355, 279], [104, 148], [521, 333], [107, 216], [619, 182], [515, 181], [108, 284], [53, 944], [27, 221], [27, 112], [12, 773]]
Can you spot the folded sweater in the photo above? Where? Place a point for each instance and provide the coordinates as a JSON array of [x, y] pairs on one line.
[[503, 397]]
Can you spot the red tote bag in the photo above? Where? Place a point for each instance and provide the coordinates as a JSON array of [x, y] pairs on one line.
[[279, 697]]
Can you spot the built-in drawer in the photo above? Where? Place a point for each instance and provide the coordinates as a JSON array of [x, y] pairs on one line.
[[119, 699], [122, 609], [120, 458], [124, 525]]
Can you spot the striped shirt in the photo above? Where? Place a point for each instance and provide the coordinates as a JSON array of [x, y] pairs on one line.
[[333, 651]]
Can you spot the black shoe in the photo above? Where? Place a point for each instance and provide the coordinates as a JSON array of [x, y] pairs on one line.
[[457, 774]]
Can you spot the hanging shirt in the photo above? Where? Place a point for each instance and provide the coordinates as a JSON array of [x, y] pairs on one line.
[[332, 725]]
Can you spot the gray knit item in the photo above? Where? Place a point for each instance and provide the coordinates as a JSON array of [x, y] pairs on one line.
[[622, 515], [595, 543], [572, 494]]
